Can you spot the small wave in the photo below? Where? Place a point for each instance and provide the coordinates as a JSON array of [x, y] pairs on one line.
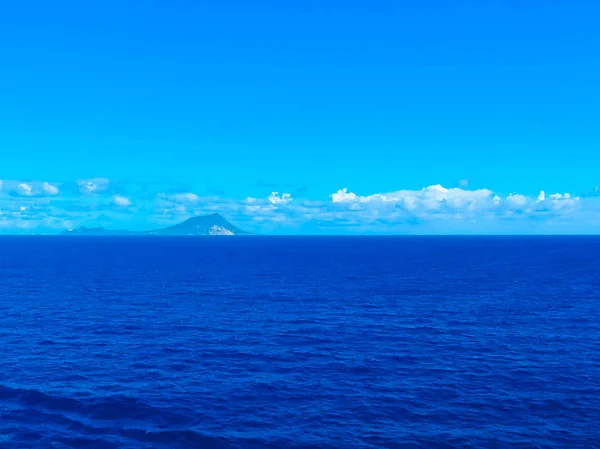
[[177, 438], [37, 398], [107, 408], [84, 443]]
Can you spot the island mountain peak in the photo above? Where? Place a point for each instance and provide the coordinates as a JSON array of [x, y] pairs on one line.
[[212, 224]]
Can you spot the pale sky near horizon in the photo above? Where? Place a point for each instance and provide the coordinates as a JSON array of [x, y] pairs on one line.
[[319, 116]]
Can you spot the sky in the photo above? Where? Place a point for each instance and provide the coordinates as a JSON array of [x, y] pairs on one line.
[[314, 116]]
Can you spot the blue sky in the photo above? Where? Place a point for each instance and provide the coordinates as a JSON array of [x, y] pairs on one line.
[[182, 107]]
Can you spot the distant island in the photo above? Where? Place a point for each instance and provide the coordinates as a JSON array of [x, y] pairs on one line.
[[213, 224]]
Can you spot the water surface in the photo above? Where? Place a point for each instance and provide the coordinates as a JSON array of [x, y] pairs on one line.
[[323, 342]]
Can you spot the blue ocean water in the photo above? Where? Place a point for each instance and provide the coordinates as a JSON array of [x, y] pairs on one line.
[[321, 342]]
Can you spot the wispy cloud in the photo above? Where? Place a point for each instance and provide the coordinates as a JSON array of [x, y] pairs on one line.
[[93, 185], [186, 197], [28, 188], [50, 189], [25, 189], [121, 201]]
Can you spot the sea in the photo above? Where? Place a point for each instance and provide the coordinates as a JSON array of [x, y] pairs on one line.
[[299, 342]]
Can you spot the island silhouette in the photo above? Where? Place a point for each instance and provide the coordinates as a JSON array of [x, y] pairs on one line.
[[213, 224]]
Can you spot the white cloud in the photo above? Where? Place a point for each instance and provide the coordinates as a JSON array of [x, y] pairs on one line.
[[564, 201], [25, 189], [429, 198], [453, 205], [342, 195], [50, 189], [94, 185], [186, 197], [28, 188], [121, 201], [463, 182], [517, 200], [275, 198], [172, 198]]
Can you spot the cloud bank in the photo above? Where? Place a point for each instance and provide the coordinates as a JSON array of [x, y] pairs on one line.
[[44, 206]]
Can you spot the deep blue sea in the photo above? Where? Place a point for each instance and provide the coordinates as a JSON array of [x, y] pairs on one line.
[[303, 342]]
